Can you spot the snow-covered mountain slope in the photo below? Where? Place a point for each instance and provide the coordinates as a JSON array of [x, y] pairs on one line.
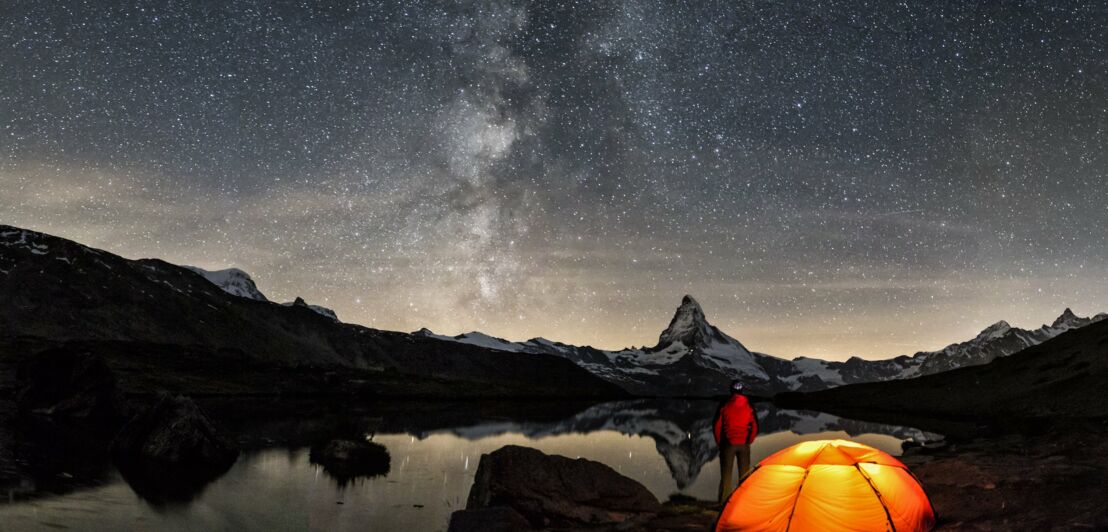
[[693, 357], [997, 340], [689, 331], [239, 283], [324, 311], [233, 281]]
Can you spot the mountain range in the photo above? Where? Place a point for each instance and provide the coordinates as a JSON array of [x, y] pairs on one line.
[[56, 291], [693, 357], [162, 326], [1060, 378]]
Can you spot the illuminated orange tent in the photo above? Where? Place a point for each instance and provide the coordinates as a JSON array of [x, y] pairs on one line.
[[828, 485]]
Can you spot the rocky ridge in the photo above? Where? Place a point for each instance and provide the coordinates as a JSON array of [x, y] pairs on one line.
[[695, 358], [162, 326]]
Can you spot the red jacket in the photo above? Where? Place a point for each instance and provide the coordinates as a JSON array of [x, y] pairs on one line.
[[735, 421]]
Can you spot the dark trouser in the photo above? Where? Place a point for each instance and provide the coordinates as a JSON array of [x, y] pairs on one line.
[[727, 456]]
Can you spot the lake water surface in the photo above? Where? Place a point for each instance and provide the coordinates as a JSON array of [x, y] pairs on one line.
[[665, 444]]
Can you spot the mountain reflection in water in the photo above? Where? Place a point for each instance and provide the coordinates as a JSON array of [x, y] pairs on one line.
[[682, 430], [665, 444]]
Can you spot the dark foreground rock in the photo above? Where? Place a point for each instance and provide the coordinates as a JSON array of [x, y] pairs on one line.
[[348, 459], [174, 432], [555, 491], [169, 452], [518, 488], [70, 385]]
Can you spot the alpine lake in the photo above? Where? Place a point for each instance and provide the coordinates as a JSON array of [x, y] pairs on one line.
[[434, 451]]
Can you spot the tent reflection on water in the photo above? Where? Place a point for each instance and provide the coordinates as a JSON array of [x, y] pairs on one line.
[[828, 485]]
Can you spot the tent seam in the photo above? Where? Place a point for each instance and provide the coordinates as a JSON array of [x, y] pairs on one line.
[[816, 455], [807, 469], [876, 493], [796, 499]]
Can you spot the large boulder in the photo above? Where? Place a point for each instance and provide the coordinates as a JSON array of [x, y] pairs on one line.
[[171, 451], [174, 432], [348, 459], [555, 491], [68, 384]]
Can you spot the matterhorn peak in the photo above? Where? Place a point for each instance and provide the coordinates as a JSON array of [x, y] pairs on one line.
[[688, 300], [688, 326], [690, 306]]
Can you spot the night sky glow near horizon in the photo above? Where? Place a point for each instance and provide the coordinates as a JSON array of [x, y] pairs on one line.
[[827, 178]]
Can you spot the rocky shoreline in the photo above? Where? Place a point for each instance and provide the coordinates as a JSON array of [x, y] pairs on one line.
[[519, 488], [1051, 480]]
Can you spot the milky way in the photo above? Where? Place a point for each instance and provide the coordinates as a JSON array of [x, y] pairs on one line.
[[827, 178]]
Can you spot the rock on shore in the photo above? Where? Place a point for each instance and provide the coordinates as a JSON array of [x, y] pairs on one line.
[[171, 451], [519, 488], [349, 459], [174, 432], [555, 491]]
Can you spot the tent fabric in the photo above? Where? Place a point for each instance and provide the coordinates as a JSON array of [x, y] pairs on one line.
[[828, 485]]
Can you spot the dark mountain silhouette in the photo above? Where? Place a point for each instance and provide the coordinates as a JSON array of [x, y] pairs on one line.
[[1061, 377], [166, 326], [219, 333]]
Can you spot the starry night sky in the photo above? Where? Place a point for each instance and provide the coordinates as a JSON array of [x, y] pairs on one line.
[[828, 178]]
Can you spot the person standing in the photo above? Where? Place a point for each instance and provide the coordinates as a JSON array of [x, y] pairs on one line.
[[735, 429]]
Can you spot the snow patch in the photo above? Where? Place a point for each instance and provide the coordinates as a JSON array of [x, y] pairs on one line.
[[322, 311], [814, 366], [489, 342], [731, 355], [233, 281]]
